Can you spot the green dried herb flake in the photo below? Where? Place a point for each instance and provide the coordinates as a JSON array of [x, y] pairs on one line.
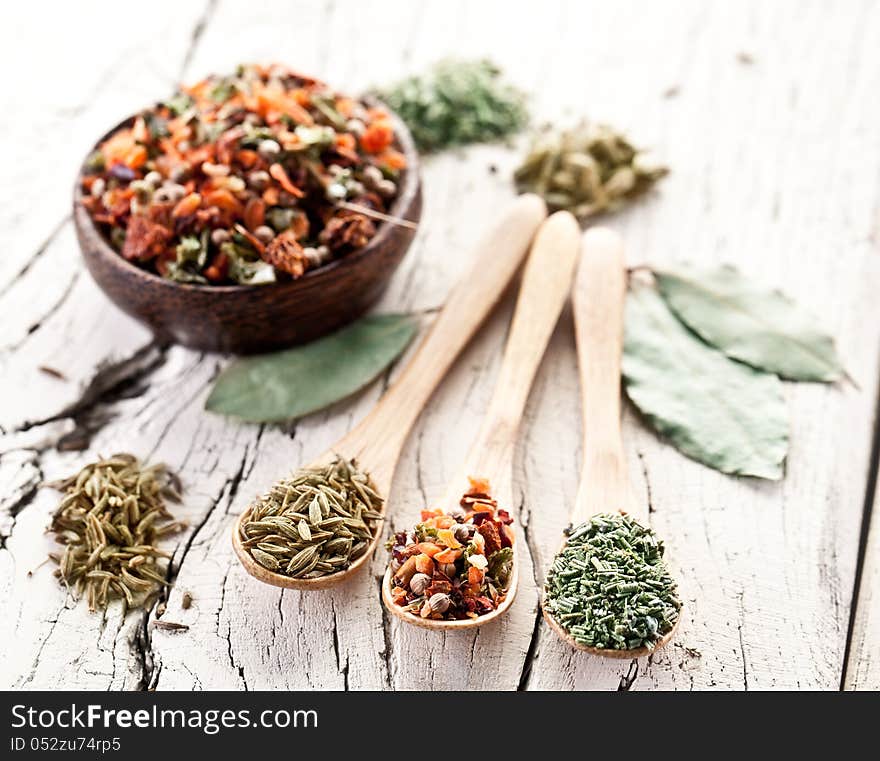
[[457, 102]]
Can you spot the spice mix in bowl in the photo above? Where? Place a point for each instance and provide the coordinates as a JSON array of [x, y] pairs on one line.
[[239, 179], [265, 177]]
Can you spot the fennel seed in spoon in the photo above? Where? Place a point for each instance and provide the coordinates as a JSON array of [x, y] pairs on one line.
[[317, 522]]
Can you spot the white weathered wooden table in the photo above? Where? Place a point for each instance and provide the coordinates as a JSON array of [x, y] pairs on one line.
[[769, 117]]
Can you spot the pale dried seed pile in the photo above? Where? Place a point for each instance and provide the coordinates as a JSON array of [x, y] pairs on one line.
[[587, 170], [112, 514], [315, 523]]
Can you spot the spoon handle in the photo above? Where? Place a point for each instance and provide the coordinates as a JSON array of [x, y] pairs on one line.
[[599, 294], [545, 288], [380, 436]]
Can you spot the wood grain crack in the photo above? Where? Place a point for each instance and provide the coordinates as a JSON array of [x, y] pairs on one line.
[[53, 308], [864, 533], [41, 249], [531, 546], [387, 650], [22, 496], [112, 382], [628, 679]]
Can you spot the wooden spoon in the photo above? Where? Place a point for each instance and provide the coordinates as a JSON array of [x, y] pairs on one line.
[[599, 295], [545, 287], [377, 440]]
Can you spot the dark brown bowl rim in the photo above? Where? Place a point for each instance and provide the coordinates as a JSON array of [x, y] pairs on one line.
[[407, 193]]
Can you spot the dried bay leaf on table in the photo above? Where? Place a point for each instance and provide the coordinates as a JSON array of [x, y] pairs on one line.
[[762, 328], [721, 413], [288, 384]]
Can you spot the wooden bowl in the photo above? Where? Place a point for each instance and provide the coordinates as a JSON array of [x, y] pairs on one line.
[[255, 318]]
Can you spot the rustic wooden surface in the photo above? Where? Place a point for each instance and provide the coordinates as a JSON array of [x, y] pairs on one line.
[[768, 115]]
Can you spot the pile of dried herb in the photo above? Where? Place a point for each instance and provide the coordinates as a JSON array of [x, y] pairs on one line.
[[111, 516], [609, 587], [586, 170], [315, 523], [454, 565], [456, 103]]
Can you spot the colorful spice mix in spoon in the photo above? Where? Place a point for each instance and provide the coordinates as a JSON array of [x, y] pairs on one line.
[[454, 565], [245, 178]]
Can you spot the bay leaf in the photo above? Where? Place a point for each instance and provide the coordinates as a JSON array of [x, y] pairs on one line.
[[763, 328], [722, 413], [288, 384]]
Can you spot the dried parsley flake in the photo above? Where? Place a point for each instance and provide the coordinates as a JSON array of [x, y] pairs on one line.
[[609, 587], [456, 103]]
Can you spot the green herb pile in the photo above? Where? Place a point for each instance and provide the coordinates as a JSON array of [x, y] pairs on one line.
[[609, 587], [456, 103]]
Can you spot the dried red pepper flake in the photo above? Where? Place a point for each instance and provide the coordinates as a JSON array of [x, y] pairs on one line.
[[144, 239], [489, 533]]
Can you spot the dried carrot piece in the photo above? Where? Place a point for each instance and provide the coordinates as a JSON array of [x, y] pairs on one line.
[[136, 157], [254, 214], [272, 100], [447, 538], [187, 205], [378, 136], [346, 141], [247, 158], [475, 576], [278, 173], [429, 548], [223, 199], [218, 268], [447, 556], [301, 96], [392, 159], [398, 595]]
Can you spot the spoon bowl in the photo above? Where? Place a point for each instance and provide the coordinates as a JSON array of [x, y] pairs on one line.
[[376, 442]]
